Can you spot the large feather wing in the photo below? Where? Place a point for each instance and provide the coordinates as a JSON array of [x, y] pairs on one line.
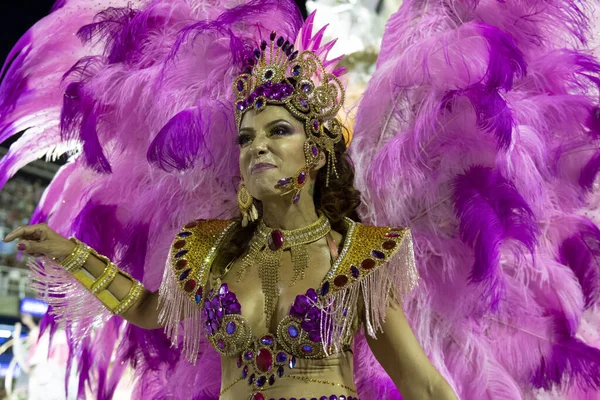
[[479, 130]]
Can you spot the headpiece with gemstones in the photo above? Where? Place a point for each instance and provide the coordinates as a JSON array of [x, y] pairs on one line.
[[299, 77]]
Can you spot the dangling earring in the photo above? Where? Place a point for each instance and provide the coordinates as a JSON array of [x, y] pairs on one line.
[[246, 205], [294, 184]]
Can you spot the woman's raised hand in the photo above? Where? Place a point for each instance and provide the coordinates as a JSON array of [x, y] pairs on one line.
[[39, 240]]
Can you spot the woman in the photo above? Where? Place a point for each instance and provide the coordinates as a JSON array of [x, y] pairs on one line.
[[283, 167], [282, 291]]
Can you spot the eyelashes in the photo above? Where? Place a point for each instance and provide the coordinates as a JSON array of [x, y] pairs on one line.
[[278, 130]]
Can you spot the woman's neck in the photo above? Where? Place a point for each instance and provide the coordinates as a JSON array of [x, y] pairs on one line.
[[279, 213]]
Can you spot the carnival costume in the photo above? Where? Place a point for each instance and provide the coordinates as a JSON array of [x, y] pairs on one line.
[[479, 131]]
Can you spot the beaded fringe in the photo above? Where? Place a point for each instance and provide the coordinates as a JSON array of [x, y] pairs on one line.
[[72, 305], [388, 284], [176, 311]]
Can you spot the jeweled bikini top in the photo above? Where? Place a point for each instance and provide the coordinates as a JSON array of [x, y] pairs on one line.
[[319, 322]]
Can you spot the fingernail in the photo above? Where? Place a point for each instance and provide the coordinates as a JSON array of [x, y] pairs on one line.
[[21, 246]]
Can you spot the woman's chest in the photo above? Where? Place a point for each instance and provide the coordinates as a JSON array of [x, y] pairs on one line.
[[258, 284]]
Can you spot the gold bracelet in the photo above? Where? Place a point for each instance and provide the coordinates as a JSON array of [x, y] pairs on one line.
[[77, 258], [104, 280], [134, 294]]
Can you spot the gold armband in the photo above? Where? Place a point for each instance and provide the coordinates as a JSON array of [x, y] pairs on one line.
[[99, 286], [77, 258]]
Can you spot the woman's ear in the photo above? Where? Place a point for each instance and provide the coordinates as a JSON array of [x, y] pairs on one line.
[[321, 161]]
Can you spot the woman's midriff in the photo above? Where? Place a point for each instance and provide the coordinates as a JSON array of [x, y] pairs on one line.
[[333, 375]]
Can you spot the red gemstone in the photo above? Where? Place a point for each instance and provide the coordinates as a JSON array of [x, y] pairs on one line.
[[179, 244], [258, 396], [181, 264], [191, 225], [264, 360], [368, 263], [301, 178], [390, 244], [189, 285], [340, 280], [276, 240]]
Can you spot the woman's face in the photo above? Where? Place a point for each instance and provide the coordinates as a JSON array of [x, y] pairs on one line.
[[271, 148]]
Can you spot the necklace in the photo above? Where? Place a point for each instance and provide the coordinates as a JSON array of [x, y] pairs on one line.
[[267, 246]]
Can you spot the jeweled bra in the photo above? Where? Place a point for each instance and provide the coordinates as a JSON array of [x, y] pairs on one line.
[[306, 331]]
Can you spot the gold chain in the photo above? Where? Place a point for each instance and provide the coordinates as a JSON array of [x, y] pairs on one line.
[[266, 248], [230, 386], [313, 380]]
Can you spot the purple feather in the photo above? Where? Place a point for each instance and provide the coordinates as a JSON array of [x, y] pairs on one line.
[[491, 211], [14, 85], [177, 144], [588, 174], [506, 61], [581, 253], [134, 245], [571, 361], [59, 4], [97, 226], [593, 122], [491, 110]]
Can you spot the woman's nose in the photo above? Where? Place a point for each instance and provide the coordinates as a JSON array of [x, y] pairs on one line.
[[259, 146]]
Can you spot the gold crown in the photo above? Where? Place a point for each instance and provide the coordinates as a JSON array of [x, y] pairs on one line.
[[297, 80]]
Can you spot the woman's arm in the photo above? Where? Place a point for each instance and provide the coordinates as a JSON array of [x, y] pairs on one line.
[[144, 312], [401, 355]]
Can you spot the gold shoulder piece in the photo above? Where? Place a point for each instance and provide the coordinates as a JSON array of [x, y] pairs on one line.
[[193, 252], [366, 248]]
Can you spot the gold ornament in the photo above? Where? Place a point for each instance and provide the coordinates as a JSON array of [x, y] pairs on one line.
[[246, 205], [266, 248]]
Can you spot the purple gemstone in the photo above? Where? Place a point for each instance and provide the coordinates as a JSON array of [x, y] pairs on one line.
[[314, 336], [296, 70], [315, 151], [277, 96], [296, 198], [293, 331], [240, 85], [234, 308], [240, 106], [292, 363], [275, 240], [312, 294], [260, 382], [257, 53], [273, 35], [300, 307], [294, 55], [221, 344], [251, 98], [269, 74], [342, 397], [280, 41], [316, 125], [259, 91], [303, 103], [181, 253], [378, 254], [333, 397], [301, 178], [239, 361], [307, 349], [280, 371], [224, 289], [185, 234], [245, 372], [271, 380], [263, 45], [305, 87], [266, 340], [259, 103], [230, 328], [325, 288], [283, 182], [281, 357], [185, 274], [354, 271], [214, 325], [248, 355], [251, 379], [323, 398]]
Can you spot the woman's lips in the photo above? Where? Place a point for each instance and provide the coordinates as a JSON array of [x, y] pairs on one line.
[[261, 167]]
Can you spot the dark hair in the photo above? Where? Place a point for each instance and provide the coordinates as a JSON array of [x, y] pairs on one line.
[[337, 200]]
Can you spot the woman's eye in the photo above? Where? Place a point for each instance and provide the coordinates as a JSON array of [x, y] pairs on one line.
[[280, 130], [243, 140]]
